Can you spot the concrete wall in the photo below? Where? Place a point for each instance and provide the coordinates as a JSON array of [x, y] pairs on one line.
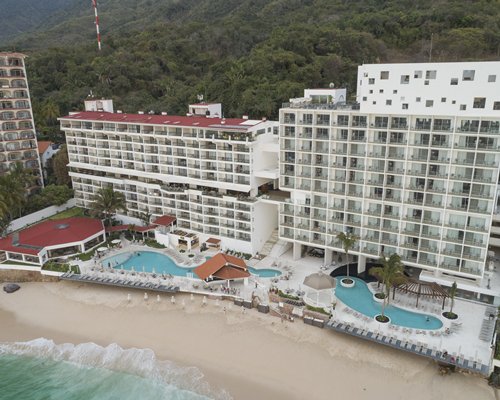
[[436, 89], [162, 238], [265, 221], [39, 215]]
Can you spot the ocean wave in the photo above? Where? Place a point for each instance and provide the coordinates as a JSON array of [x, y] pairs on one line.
[[139, 362]]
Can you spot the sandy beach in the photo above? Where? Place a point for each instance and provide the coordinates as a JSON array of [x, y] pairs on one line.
[[251, 355]]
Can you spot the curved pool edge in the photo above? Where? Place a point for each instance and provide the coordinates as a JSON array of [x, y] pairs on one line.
[[405, 309]]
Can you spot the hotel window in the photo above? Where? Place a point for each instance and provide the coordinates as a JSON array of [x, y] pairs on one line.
[[479, 102], [384, 75], [468, 75], [496, 105], [381, 91], [405, 79], [374, 102], [364, 98], [388, 102], [371, 91], [405, 106], [431, 74], [417, 74], [454, 81], [443, 99], [492, 78], [429, 103], [371, 81], [418, 99], [426, 83], [395, 91], [463, 107]]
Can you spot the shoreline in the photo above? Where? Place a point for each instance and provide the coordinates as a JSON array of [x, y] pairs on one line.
[[250, 355]]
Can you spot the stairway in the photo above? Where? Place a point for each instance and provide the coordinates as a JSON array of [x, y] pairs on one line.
[[268, 246]]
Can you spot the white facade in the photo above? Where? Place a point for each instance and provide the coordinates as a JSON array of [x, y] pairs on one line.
[[420, 184], [461, 88], [17, 128], [204, 171]]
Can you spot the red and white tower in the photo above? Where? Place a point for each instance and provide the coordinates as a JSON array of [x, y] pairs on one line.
[[94, 3]]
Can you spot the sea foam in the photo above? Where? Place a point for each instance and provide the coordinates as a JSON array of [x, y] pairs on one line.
[[139, 362]]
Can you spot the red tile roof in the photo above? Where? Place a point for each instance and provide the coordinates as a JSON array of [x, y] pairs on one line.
[[52, 233], [196, 121], [43, 146], [164, 220], [213, 240], [223, 266]]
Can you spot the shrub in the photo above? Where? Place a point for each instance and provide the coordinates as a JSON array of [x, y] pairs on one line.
[[380, 296], [318, 310], [60, 267], [153, 243], [287, 296]]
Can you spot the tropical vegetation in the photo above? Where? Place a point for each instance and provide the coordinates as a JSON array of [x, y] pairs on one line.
[[390, 272], [452, 293], [106, 202], [250, 55], [348, 240]]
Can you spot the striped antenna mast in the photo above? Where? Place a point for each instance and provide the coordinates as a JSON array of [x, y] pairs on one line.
[[94, 4]]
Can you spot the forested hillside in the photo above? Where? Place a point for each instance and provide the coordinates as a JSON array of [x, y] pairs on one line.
[[248, 54], [20, 16]]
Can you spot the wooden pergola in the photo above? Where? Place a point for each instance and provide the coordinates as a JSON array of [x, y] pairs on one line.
[[422, 288]]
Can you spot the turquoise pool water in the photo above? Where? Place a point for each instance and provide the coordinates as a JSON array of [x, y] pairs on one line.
[[148, 261], [360, 298]]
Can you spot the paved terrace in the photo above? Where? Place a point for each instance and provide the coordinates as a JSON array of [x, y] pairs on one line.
[[468, 343]]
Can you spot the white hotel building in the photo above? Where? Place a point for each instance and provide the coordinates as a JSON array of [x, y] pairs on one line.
[[202, 169], [17, 129], [412, 168]]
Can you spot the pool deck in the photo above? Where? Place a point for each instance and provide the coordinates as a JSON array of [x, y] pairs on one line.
[[469, 342], [420, 348], [118, 282]]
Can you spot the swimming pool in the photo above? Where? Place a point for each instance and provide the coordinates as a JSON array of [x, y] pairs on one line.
[[360, 298], [162, 264]]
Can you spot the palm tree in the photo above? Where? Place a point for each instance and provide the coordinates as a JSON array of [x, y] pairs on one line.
[[453, 291], [13, 192], [391, 270], [348, 241], [107, 202]]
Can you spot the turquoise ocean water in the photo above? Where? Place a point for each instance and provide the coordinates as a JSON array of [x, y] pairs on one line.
[[42, 370]]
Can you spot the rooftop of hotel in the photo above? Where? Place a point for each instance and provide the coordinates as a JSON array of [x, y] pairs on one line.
[[184, 121]]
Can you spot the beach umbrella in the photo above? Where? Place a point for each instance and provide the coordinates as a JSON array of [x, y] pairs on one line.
[[145, 296], [183, 303], [192, 297], [217, 302], [204, 301], [158, 299], [172, 299], [129, 297]]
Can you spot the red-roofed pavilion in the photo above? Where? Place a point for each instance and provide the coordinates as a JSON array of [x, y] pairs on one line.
[[52, 238], [222, 267]]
